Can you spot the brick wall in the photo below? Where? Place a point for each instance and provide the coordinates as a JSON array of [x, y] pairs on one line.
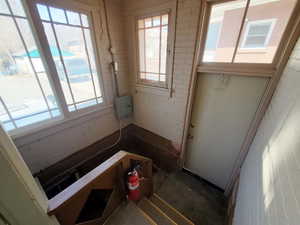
[[156, 111], [269, 191]]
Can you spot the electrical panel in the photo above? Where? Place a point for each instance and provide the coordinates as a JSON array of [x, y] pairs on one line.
[[123, 106]]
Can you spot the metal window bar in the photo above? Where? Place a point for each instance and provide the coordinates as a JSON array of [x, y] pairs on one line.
[[159, 54], [29, 58], [59, 23], [61, 57], [10, 15], [7, 112], [145, 61], [67, 19], [241, 30], [153, 72], [29, 115], [88, 57], [160, 40]]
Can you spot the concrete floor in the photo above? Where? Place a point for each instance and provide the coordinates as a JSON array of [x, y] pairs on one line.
[[194, 198]]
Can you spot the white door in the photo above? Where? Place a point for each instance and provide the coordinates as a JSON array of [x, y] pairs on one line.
[[222, 112]]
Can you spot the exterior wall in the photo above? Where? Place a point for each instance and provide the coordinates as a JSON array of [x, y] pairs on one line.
[[279, 10], [269, 191], [44, 148], [155, 110]]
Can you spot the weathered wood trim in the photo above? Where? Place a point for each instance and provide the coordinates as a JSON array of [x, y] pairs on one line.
[[66, 205]]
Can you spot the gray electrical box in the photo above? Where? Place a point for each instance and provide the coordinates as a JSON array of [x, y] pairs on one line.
[[123, 106]]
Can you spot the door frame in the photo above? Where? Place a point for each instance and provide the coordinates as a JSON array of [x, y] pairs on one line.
[[291, 36]]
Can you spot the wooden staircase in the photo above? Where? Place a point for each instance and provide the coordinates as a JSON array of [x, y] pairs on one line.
[[148, 211], [99, 197]]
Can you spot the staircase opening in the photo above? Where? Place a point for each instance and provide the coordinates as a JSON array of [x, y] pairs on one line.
[[94, 205]]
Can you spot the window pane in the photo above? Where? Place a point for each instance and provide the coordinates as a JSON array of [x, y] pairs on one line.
[[74, 55], [59, 66], [43, 12], [224, 25], [263, 30], [58, 15], [148, 22], [17, 7], [152, 76], [152, 49], [84, 20], [163, 49], [26, 95], [3, 7], [92, 58], [156, 21], [165, 19], [141, 23], [142, 50], [153, 45], [73, 18], [71, 41]]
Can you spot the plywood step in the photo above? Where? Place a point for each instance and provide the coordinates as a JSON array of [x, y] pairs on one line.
[[156, 214], [129, 214], [171, 212]]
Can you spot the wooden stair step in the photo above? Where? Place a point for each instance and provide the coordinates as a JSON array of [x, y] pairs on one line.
[[156, 214], [171, 212], [129, 214]]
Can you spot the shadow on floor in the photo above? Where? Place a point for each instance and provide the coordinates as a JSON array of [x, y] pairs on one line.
[[197, 200]]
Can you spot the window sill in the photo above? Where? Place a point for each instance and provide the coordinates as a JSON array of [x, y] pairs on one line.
[[152, 90], [37, 131]]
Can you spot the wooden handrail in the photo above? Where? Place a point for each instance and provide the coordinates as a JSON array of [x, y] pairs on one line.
[[107, 175]]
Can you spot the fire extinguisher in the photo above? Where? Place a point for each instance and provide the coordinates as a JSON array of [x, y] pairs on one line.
[[133, 183]]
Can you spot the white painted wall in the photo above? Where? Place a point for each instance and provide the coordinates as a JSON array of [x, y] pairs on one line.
[[269, 192], [21, 201], [46, 147]]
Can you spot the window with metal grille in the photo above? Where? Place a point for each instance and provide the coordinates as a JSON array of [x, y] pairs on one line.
[[70, 40], [153, 49], [26, 96], [36, 87], [258, 33]]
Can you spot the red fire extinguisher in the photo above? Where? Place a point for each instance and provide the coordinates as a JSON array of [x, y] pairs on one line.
[[133, 184]]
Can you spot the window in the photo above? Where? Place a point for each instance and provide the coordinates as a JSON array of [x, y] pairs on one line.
[[153, 49], [27, 91], [26, 96], [69, 38], [258, 33], [246, 31]]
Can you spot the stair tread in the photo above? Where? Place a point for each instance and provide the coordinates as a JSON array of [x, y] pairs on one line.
[[129, 214], [171, 212], [155, 213]]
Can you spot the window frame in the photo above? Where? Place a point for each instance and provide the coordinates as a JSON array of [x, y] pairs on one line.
[[42, 45], [154, 86], [235, 68], [258, 22], [162, 84]]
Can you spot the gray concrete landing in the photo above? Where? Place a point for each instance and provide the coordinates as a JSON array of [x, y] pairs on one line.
[[197, 200]]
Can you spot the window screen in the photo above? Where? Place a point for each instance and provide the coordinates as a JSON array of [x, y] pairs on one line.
[[153, 45]]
